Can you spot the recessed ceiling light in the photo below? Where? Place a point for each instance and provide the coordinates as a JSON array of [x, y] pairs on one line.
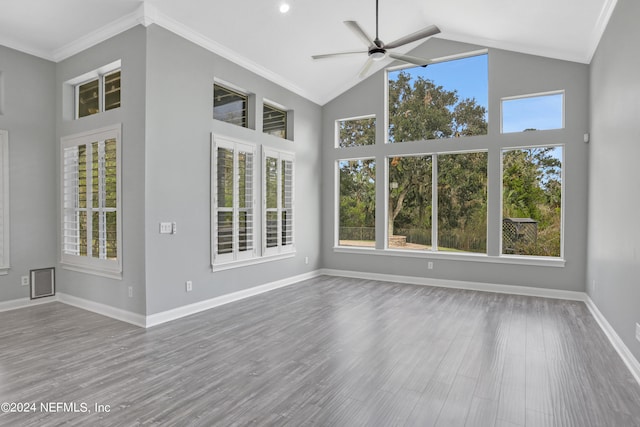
[[284, 8]]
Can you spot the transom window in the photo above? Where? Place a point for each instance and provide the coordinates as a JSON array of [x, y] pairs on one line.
[[101, 92], [444, 100], [91, 228], [527, 113], [230, 106], [356, 132], [274, 121]]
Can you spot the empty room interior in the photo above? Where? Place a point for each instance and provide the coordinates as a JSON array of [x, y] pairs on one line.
[[297, 213]]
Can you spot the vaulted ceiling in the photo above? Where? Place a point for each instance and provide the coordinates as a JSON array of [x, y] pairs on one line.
[[279, 46]]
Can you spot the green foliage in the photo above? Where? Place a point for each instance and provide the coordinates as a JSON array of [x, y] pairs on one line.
[[357, 193], [532, 188], [353, 133]]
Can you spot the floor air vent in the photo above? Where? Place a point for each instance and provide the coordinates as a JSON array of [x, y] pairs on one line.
[[43, 282]]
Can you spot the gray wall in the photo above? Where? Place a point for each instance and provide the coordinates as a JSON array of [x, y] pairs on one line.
[[510, 74], [614, 232], [130, 48], [29, 100], [179, 123]]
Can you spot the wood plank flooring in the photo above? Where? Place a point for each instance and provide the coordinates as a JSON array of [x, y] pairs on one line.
[[324, 352]]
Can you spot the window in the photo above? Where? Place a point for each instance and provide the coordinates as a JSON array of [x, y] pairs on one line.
[[460, 202], [4, 201], [533, 112], [274, 121], [356, 132], [233, 200], [230, 106], [443, 100], [357, 203], [98, 91], [91, 213], [532, 201], [277, 202], [410, 202]]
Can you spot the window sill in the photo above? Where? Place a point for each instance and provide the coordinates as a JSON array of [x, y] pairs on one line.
[[4, 271], [246, 262], [502, 259], [96, 272]]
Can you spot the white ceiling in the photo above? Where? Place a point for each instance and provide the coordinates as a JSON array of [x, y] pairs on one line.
[[279, 46]]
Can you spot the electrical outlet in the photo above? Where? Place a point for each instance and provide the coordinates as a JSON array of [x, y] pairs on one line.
[[430, 265], [638, 331], [189, 285], [24, 280], [306, 260], [130, 291]]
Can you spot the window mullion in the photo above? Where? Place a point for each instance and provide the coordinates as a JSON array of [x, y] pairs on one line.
[[434, 202], [236, 204]]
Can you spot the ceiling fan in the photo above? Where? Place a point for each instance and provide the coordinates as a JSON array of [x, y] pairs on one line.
[[377, 50]]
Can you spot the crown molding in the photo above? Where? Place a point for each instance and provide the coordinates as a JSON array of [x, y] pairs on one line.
[[21, 47], [601, 26], [195, 37], [103, 33]]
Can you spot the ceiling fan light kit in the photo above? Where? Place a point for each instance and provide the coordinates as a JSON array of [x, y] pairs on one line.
[[377, 50]]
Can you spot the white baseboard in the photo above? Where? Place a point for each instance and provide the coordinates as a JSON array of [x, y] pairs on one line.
[[24, 302], [105, 310], [187, 310], [624, 352], [458, 284]]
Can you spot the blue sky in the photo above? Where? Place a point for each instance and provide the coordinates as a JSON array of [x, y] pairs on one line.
[[470, 76]]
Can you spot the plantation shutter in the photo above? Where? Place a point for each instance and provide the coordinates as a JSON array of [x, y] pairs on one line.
[[4, 200]]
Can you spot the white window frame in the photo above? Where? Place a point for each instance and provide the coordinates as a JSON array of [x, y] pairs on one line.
[[280, 156], [434, 202], [98, 74], [282, 109], [531, 96], [4, 203], [236, 255], [349, 119], [87, 263], [562, 202], [336, 213]]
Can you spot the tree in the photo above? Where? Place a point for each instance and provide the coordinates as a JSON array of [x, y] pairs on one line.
[[421, 110]]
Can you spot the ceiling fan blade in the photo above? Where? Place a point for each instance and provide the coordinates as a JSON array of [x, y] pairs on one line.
[[331, 55], [410, 59], [424, 33], [358, 31], [365, 68]]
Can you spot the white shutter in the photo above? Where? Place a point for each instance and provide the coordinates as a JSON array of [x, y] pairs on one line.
[[278, 191], [70, 202], [4, 201], [233, 203]]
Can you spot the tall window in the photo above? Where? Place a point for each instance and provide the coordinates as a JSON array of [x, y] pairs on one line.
[[4, 201], [532, 201], [410, 202], [230, 106], [274, 121], [357, 203], [443, 100], [91, 229], [233, 200], [277, 202], [461, 203], [99, 92]]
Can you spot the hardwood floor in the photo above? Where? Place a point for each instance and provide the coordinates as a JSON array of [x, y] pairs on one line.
[[325, 352]]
